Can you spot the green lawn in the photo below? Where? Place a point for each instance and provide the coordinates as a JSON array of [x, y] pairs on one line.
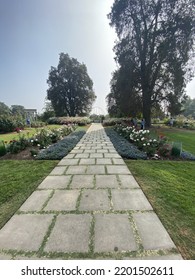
[[170, 187], [27, 131], [187, 137], [19, 178]]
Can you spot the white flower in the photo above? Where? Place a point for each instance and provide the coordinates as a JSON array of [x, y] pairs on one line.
[[38, 145], [142, 139], [144, 144], [148, 144], [31, 140]]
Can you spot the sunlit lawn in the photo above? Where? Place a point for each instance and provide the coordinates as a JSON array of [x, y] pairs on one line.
[[28, 132], [187, 137], [170, 188]]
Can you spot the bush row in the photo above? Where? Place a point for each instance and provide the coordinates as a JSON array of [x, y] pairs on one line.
[[124, 147], [61, 148], [41, 140], [81, 121]]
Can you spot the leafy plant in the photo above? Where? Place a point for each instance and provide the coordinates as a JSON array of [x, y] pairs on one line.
[[2, 148]]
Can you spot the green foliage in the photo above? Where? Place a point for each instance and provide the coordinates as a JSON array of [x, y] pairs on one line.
[[70, 88], [4, 109], [18, 110], [81, 121], [2, 148], [189, 108], [156, 40], [10, 123]]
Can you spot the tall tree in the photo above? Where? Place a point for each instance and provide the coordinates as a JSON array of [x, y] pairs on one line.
[[157, 37], [70, 88]]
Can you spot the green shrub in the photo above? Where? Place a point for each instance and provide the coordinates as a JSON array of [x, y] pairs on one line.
[[81, 121], [3, 150]]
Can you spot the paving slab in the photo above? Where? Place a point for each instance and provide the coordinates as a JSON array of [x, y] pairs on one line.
[[58, 170], [103, 161], [93, 200], [63, 201], [152, 232], [78, 169], [96, 155], [132, 199], [68, 162], [76, 151], [107, 181], [70, 156], [82, 181], [36, 201], [113, 233], [89, 151], [96, 169], [118, 161], [128, 181], [86, 161], [118, 169], [25, 232], [70, 234], [82, 156], [55, 182]]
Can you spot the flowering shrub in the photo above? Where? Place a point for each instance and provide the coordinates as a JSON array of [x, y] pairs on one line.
[[41, 139], [140, 138]]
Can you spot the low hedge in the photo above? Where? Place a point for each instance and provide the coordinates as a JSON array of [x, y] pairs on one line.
[[61, 148], [124, 147], [81, 121]]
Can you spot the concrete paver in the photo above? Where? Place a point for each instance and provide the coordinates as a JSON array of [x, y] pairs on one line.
[[113, 233], [58, 170], [93, 200], [82, 181], [71, 161], [70, 234], [63, 201], [153, 234], [107, 181], [130, 200], [24, 232], [55, 182], [128, 181], [96, 169], [36, 201]]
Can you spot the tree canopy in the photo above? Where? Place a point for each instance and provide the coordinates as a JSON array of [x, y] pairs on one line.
[[70, 88], [4, 109], [155, 40]]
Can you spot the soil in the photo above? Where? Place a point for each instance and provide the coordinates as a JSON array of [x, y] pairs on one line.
[[23, 155]]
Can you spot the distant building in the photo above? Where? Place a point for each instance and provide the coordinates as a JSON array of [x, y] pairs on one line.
[[31, 113]]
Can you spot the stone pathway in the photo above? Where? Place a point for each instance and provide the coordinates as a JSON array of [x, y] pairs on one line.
[[89, 207]]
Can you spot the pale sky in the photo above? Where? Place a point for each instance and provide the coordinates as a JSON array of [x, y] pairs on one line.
[[34, 32]]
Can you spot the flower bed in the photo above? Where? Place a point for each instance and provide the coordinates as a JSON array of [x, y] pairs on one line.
[[155, 148], [124, 147], [40, 140]]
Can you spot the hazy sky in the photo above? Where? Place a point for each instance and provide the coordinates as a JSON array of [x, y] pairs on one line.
[[34, 32]]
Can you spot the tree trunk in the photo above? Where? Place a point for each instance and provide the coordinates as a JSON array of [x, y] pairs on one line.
[[147, 108]]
